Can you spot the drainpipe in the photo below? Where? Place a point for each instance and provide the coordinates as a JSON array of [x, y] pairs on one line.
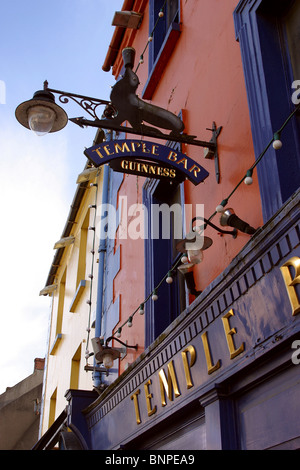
[[102, 253]]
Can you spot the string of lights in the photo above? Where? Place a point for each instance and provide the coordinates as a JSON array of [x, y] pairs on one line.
[[91, 276], [150, 38], [247, 179]]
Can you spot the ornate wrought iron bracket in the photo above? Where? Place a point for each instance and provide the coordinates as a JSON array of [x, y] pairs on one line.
[[90, 105], [145, 131], [87, 103]]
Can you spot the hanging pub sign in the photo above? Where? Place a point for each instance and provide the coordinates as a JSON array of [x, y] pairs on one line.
[[147, 159]]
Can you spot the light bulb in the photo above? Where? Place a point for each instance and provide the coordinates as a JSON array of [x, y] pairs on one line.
[[118, 334], [184, 259], [142, 311], [154, 295], [220, 208], [108, 360], [129, 323], [169, 279], [277, 144], [248, 180], [41, 119]]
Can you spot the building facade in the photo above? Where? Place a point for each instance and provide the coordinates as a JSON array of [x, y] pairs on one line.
[[209, 354], [20, 411], [71, 287]]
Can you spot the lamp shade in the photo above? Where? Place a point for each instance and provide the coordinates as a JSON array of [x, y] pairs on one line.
[[193, 241], [104, 354], [41, 114]]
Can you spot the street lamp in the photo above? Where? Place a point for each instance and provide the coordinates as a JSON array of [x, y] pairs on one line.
[[105, 354], [41, 114], [192, 248]]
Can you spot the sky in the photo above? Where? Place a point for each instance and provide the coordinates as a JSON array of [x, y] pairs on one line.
[[64, 42]]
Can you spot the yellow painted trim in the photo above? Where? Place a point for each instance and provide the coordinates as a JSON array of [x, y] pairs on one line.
[[77, 296], [55, 344]]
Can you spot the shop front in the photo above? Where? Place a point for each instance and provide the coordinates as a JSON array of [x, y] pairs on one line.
[[225, 373]]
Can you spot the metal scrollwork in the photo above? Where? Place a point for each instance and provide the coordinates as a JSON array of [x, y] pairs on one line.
[[89, 105]]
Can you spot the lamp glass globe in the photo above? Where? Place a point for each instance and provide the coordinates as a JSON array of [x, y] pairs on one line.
[[41, 119], [108, 360]]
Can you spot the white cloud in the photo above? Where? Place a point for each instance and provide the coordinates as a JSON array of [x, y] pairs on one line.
[[34, 204]]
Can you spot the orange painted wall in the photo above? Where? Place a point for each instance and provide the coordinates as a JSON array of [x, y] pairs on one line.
[[204, 78]]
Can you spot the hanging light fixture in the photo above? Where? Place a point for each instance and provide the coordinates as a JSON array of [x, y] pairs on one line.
[[41, 114], [228, 218], [105, 354], [195, 242], [193, 246]]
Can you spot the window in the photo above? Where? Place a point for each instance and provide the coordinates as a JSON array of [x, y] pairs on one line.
[[82, 249], [291, 24], [268, 33], [75, 368], [164, 203], [165, 37], [52, 409], [59, 314], [81, 267], [61, 301]]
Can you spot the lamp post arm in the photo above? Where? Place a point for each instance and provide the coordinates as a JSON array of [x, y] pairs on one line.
[[87, 103], [121, 342], [218, 229], [90, 105], [143, 131]]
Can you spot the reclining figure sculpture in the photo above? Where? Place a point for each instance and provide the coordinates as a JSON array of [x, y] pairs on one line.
[[129, 107]]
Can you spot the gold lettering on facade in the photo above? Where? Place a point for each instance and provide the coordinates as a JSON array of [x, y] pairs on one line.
[[154, 150], [149, 395], [122, 148], [167, 386], [134, 397], [98, 152], [144, 148], [187, 365], [229, 332], [195, 169], [183, 162], [172, 156], [113, 149], [210, 367], [148, 169], [290, 282], [133, 144], [108, 150]]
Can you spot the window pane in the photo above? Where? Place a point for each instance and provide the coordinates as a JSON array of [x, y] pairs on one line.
[[293, 36], [172, 11]]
